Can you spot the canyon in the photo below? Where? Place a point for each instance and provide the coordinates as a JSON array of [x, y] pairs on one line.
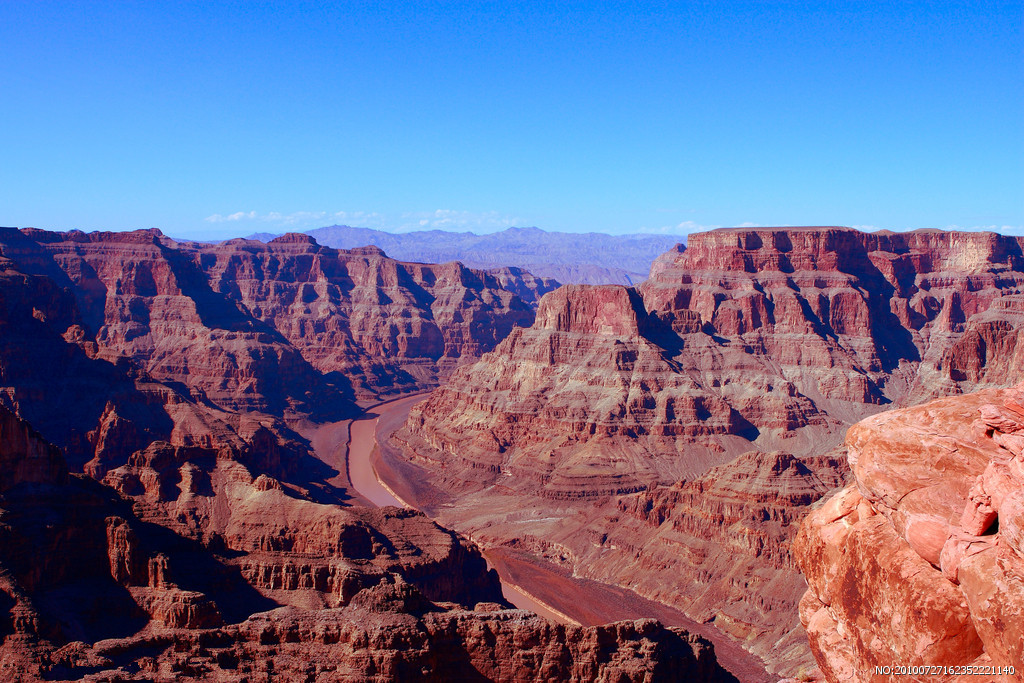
[[180, 424], [670, 438], [165, 516]]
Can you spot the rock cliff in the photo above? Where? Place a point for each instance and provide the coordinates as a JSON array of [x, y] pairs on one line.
[[768, 339], [384, 325], [929, 538], [284, 327], [199, 570], [372, 642], [116, 340]]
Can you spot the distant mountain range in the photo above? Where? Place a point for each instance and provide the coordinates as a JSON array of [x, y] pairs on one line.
[[586, 258]]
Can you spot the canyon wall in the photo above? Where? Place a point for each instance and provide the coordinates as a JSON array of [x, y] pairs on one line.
[[621, 401], [197, 535], [116, 340], [288, 326]]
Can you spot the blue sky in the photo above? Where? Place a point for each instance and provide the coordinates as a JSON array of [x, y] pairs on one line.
[[211, 120]]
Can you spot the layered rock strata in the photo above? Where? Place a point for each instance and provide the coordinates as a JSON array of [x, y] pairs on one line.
[[178, 584], [370, 641], [778, 338], [386, 326], [767, 339], [279, 327], [929, 538]]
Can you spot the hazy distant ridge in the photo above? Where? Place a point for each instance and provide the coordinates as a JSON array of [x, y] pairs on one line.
[[591, 258]]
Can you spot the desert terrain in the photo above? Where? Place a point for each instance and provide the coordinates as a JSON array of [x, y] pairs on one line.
[[247, 460]]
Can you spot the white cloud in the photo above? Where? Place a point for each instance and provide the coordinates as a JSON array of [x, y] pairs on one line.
[[237, 216], [275, 217]]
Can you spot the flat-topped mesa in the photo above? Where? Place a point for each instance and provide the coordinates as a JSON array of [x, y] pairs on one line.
[[611, 310], [754, 250], [790, 249], [293, 238]]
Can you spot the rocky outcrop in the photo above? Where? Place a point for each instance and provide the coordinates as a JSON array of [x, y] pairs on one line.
[[585, 403], [768, 339], [929, 538], [76, 562], [25, 457], [367, 643], [524, 284], [143, 297]]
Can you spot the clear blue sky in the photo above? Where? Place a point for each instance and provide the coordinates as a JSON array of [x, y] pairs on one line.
[[220, 119]]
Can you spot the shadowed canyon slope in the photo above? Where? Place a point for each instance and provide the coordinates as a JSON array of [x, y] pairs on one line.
[[114, 340], [749, 352], [930, 536], [240, 320]]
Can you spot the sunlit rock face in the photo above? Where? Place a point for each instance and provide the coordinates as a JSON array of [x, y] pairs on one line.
[[778, 337], [928, 537]]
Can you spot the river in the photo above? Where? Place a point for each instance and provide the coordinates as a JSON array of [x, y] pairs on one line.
[[364, 479], [350, 446]]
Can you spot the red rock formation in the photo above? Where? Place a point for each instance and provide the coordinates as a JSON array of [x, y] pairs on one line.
[[25, 457], [582, 404], [253, 326], [146, 299], [928, 538], [87, 587], [387, 326], [780, 337], [773, 339], [524, 284], [371, 643]]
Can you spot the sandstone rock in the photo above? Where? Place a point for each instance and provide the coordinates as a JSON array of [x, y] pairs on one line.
[[440, 645], [949, 498], [103, 599], [388, 327]]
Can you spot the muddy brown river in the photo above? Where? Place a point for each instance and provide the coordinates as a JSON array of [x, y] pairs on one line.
[[351, 447]]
